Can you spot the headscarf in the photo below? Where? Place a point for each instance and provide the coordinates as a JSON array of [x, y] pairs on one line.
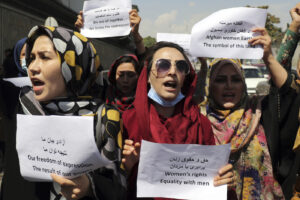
[[249, 151], [113, 96], [17, 53], [186, 126], [80, 67]]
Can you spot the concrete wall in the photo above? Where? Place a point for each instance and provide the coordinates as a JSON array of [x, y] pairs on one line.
[[15, 24], [17, 17]]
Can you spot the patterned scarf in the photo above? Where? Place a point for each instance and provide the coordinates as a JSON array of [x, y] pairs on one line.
[[249, 151], [80, 67], [114, 98]]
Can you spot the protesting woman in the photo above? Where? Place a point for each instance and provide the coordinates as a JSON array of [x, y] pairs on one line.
[[163, 110], [123, 76], [63, 67], [235, 119]]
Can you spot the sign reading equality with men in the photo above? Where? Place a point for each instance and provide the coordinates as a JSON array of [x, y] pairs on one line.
[[181, 171], [106, 18], [225, 34]]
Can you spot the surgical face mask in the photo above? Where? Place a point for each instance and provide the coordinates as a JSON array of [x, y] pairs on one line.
[[23, 64], [152, 94]]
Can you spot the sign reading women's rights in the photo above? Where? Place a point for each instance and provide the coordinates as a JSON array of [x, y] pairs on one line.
[[63, 145], [225, 34], [106, 18], [183, 171]]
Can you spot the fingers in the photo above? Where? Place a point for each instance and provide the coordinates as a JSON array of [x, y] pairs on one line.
[[135, 19], [225, 175], [73, 189], [62, 181], [128, 142], [229, 178], [130, 148], [260, 40], [263, 31], [225, 169], [79, 22]]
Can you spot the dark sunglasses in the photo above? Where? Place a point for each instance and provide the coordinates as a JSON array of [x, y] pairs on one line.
[[163, 66]]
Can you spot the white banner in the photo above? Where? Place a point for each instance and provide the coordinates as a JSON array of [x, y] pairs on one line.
[[181, 171], [106, 18], [225, 34], [63, 145], [183, 40]]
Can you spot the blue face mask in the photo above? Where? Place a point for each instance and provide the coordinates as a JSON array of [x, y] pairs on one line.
[[23, 64], [152, 94]]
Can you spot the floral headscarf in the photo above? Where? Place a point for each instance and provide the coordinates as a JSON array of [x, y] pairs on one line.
[[241, 127]]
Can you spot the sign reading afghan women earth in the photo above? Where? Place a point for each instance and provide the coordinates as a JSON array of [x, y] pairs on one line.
[[225, 34]]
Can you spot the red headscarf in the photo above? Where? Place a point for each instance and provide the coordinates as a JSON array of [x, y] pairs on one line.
[[186, 126]]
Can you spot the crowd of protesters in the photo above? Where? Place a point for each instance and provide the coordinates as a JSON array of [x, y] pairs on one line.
[[151, 93]]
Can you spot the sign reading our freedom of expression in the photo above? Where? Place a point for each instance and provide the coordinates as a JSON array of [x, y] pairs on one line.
[[182, 171], [225, 34], [63, 145], [106, 18]]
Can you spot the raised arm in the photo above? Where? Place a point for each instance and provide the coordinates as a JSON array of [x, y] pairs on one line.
[[135, 21], [290, 40], [278, 73]]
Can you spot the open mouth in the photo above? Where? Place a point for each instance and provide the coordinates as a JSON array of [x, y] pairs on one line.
[[37, 85], [170, 84], [36, 82], [228, 95]]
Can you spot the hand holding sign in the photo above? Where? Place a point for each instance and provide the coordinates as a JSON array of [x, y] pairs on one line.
[[73, 188], [265, 40]]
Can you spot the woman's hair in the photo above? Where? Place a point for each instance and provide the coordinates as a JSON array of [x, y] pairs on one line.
[[152, 50], [123, 59], [30, 42]]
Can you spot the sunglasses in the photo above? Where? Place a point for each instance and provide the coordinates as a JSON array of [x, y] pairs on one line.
[[163, 66]]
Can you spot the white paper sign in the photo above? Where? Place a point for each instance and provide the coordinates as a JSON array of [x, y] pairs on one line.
[[19, 81], [225, 34], [183, 40], [181, 171], [63, 145], [106, 18]]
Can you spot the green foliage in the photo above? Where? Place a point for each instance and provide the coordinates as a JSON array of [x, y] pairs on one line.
[[149, 41], [274, 31]]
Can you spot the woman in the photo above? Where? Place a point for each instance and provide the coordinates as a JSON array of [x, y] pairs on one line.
[[235, 119], [122, 76], [163, 110], [63, 66], [19, 57], [282, 107]]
